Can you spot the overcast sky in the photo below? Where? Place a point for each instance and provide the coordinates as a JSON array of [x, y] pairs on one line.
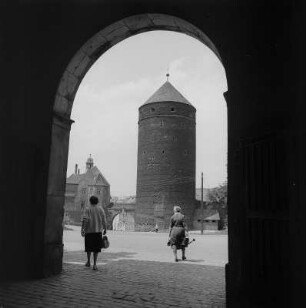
[[105, 109]]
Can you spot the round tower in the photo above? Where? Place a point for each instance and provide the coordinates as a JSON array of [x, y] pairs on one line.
[[166, 158]]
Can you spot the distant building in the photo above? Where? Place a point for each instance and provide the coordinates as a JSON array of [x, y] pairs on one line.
[[211, 219], [211, 216], [80, 187]]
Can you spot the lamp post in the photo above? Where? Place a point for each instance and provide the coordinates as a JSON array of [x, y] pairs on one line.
[[202, 206]]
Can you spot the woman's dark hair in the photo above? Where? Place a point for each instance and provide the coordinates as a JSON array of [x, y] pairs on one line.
[[177, 209], [93, 200]]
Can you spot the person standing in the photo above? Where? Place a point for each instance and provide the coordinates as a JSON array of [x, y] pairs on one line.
[[177, 231], [93, 224]]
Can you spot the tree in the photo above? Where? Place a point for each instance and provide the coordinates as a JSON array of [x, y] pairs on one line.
[[217, 199]]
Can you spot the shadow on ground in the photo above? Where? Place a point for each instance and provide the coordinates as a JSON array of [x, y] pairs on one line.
[[80, 256], [120, 283], [194, 261]]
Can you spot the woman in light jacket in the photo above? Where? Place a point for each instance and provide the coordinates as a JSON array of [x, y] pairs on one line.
[[93, 224]]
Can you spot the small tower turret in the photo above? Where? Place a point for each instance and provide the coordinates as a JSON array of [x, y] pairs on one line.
[[89, 162]]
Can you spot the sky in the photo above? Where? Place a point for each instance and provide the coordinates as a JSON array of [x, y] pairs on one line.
[[105, 109]]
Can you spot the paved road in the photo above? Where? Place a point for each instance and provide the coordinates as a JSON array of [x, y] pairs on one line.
[[208, 249], [128, 277]]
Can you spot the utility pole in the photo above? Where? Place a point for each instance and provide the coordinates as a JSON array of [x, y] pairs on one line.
[[202, 206]]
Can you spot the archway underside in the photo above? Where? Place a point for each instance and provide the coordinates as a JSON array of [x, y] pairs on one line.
[[110, 36]]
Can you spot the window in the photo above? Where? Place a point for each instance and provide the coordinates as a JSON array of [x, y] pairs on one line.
[[152, 109], [83, 191], [82, 204], [98, 191], [172, 109], [99, 178]]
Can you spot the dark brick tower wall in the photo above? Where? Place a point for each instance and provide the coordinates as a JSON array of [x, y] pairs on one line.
[[166, 162]]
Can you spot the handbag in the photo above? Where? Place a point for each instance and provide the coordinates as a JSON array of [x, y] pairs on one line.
[[105, 242]]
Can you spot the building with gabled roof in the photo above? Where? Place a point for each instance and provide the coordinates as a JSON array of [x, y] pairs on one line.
[[80, 187], [211, 219]]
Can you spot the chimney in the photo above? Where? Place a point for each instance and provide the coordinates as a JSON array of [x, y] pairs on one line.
[[76, 169]]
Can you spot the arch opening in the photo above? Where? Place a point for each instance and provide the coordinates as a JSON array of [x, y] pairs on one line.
[[123, 221], [68, 86]]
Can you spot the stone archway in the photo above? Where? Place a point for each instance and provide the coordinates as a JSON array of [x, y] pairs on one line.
[[67, 88], [262, 47], [123, 221]]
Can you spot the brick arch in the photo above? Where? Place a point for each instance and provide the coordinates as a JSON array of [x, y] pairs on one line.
[[110, 36], [113, 215], [128, 213]]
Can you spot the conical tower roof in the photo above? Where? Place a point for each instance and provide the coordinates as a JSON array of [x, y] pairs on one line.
[[167, 93]]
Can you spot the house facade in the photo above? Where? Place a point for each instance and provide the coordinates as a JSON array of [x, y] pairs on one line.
[[80, 187]]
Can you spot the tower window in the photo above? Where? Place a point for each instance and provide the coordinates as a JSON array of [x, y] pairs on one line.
[[152, 109], [163, 151], [172, 109]]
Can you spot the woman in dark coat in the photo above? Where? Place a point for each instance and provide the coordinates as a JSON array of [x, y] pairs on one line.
[[178, 228]]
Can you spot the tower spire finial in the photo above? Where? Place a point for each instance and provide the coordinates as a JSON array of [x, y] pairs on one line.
[[89, 162], [168, 75]]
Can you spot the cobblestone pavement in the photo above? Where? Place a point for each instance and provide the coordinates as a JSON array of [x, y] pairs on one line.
[[120, 282]]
